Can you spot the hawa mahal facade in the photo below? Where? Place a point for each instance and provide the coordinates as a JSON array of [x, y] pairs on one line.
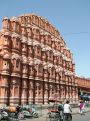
[[35, 63]]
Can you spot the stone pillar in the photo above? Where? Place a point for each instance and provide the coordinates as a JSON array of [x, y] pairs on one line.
[[15, 90], [46, 93], [24, 94], [31, 90], [4, 89]]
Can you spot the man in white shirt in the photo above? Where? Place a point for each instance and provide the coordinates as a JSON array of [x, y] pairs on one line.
[[67, 111]]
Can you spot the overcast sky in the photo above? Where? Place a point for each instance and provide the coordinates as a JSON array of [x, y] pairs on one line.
[[70, 17]]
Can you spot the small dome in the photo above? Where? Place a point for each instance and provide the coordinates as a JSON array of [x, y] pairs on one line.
[[6, 56], [14, 19], [27, 14], [5, 18]]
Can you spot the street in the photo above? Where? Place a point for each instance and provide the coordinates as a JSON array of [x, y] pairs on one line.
[[76, 117]]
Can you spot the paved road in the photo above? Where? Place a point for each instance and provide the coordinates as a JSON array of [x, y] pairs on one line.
[[76, 117]]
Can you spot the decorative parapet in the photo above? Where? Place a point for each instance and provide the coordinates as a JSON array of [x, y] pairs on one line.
[[15, 35], [14, 18]]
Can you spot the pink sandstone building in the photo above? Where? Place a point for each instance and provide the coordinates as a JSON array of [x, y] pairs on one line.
[[83, 85], [35, 63]]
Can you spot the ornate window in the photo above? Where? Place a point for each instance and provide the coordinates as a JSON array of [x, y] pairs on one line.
[[28, 20], [39, 50], [13, 42], [23, 30], [47, 26], [16, 92], [17, 41], [49, 40], [13, 63], [30, 50], [6, 41], [53, 72], [42, 23], [36, 20], [17, 63], [44, 57], [5, 64], [33, 19], [40, 68], [24, 68], [23, 47], [29, 32], [23, 20]]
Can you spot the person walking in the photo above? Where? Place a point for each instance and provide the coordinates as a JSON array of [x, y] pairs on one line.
[[67, 111], [81, 107]]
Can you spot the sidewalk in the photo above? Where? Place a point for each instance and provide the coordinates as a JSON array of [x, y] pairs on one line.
[[74, 111]]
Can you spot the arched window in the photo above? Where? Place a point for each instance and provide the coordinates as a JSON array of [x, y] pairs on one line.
[[17, 63], [33, 19], [17, 41], [13, 63], [5, 64], [42, 23], [40, 68], [36, 20], [16, 92], [5, 40]]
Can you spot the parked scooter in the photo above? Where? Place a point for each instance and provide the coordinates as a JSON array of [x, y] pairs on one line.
[[33, 112], [3, 114]]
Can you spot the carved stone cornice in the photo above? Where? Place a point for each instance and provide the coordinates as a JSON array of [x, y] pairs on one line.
[[36, 43], [16, 56], [6, 56], [5, 32], [15, 35]]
